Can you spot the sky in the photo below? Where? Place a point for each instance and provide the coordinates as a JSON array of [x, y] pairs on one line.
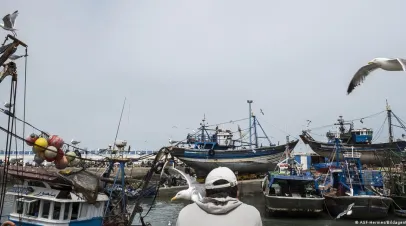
[[178, 61]]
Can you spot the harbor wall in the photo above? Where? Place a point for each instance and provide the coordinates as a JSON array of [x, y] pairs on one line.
[[245, 188]]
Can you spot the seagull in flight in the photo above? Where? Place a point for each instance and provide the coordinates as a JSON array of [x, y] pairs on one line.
[[194, 193], [387, 64], [9, 22], [348, 211]]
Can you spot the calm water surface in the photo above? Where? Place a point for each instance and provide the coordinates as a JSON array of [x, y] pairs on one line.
[[164, 212]]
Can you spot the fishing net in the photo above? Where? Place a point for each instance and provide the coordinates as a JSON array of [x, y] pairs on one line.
[[83, 182]]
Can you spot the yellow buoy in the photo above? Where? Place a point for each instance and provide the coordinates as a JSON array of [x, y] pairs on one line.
[[40, 144]]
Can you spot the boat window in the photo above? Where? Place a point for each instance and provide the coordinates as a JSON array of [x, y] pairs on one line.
[[57, 210], [32, 208], [45, 208], [36, 184], [75, 210], [66, 212], [19, 207], [83, 210]]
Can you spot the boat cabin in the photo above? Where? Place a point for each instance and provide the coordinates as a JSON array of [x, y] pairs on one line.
[[361, 136], [36, 203], [292, 186], [221, 139]]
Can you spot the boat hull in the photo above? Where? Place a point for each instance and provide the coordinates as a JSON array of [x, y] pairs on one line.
[[399, 202], [259, 160], [372, 154], [96, 221], [365, 207], [293, 205]]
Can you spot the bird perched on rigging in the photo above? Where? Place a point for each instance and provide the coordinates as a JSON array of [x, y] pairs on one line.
[[9, 22], [387, 64], [194, 193]]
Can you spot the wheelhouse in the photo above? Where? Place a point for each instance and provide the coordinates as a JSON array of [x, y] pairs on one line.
[[39, 204]]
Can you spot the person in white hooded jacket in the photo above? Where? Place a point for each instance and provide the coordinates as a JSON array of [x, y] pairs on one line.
[[220, 206]]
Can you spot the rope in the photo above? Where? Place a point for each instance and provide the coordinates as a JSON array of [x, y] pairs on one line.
[[352, 120], [232, 121], [13, 95]]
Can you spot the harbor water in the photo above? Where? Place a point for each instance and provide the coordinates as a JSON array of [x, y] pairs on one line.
[[164, 213]]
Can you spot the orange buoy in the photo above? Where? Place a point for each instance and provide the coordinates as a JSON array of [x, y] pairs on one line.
[[60, 154], [30, 140], [61, 163], [55, 141], [8, 223]]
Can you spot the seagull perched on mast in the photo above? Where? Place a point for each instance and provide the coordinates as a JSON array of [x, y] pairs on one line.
[[387, 64], [9, 22]]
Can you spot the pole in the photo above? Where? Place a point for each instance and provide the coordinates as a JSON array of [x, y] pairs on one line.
[[250, 116]]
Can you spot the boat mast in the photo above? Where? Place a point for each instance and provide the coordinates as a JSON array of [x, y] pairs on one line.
[[250, 125], [255, 130], [203, 128], [389, 112]]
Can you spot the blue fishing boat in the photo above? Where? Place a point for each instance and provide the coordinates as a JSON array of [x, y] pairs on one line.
[[361, 139], [211, 148], [292, 191], [348, 184]]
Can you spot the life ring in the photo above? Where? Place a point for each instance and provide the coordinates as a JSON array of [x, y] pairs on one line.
[[8, 223], [211, 152]]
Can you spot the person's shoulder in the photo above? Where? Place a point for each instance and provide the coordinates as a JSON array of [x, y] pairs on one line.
[[249, 209], [189, 207]]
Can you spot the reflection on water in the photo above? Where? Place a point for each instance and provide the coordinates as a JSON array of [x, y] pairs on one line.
[[165, 211]]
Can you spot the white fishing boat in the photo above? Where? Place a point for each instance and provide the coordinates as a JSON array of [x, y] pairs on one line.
[[39, 203]]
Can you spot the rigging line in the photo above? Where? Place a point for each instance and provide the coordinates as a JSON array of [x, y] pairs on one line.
[[13, 95], [25, 95], [119, 123], [400, 121], [232, 121], [81, 158], [380, 130], [279, 129], [8, 113], [357, 119]]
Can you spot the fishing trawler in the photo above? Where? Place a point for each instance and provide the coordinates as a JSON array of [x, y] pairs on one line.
[[361, 139], [204, 151], [348, 185], [292, 191]]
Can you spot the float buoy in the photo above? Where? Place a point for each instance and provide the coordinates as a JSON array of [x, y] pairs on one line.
[[55, 141], [211, 152], [40, 144]]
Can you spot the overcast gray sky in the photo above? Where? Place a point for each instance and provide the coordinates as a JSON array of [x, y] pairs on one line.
[[177, 60]]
